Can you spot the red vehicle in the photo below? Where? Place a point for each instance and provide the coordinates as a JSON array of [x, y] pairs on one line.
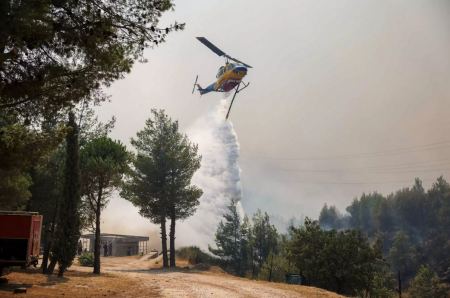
[[20, 236]]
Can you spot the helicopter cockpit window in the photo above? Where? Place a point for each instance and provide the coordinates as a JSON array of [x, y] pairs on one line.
[[220, 72]]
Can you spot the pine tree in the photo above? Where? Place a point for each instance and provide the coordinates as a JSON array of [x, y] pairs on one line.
[[68, 227], [246, 246], [228, 238], [264, 239], [159, 183], [103, 162]]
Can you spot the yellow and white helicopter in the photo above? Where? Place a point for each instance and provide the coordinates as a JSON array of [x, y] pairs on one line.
[[229, 77]]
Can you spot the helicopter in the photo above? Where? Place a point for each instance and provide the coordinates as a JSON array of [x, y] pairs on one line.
[[229, 76]]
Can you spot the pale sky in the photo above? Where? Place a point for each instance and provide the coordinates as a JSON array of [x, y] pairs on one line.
[[345, 97]]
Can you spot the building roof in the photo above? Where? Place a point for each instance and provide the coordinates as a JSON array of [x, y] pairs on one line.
[[116, 236]]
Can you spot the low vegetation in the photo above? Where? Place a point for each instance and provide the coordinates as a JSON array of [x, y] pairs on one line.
[[195, 255], [86, 259]]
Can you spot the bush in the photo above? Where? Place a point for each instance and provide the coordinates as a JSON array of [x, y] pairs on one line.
[[86, 259], [195, 255], [274, 269], [426, 284]]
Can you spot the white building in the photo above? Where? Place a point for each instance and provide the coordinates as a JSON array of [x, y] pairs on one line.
[[116, 245]]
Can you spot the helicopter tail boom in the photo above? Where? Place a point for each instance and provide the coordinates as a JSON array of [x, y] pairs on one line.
[[201, 90]]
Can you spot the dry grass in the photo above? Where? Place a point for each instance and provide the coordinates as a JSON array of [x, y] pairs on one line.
[[74, 284]]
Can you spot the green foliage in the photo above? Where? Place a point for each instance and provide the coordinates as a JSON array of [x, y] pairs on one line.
[[264, 240], [68, 224], [381, 284], [86, 259], [330, 218], [412, 225], [246, 252], [102, 162], [245, 246], [228, 238], [402, 255], [342, 262], [159, 167], [46, 196], [21, 147], [195, 255], [90, 127], [362, 212], [159, 183], [275, 268], [426, 284], [54, 54]]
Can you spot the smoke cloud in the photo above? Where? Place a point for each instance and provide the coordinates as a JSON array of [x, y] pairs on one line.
[[218, 177]]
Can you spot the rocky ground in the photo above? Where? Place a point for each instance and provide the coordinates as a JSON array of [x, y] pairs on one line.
[[140, 277]]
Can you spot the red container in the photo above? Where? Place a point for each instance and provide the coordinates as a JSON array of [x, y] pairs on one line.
[[20, 236]]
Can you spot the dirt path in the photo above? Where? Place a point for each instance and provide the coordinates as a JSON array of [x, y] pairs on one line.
[[137, 277], [209, 283]]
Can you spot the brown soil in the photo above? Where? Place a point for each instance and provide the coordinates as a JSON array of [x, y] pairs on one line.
[[138, 277]]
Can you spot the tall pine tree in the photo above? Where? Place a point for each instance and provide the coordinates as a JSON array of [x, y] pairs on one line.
[[228, 238], [103, 163], [68, 227], [159, 183]]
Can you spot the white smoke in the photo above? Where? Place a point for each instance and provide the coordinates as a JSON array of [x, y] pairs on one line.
[[218, 177]]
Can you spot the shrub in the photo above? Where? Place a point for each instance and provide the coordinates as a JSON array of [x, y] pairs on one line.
[[86, 259], [195, 255]]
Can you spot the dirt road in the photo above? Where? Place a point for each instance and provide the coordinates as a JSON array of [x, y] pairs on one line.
[[136, 277]]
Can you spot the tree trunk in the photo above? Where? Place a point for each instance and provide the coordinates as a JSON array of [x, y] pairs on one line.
[[47, 248], [52, 265], [172, 240], [271, 268], [253, 262], [97, 232], [164, 242], [61, 270], [49, 240], [45, 255]]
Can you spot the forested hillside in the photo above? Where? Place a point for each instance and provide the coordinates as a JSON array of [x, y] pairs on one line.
[[412, 225]]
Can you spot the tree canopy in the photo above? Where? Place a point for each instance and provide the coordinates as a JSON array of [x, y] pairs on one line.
[[20, 148], [159, 183], [54, 54], [343, 262]]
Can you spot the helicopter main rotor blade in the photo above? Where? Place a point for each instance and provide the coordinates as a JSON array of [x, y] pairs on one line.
[[218, 51], [236, 60], [212, 47]]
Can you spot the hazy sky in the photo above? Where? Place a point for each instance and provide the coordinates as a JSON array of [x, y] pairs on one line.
[[345, 97]]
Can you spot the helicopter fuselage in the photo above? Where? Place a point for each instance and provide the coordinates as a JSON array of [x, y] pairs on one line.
[[229, 76]]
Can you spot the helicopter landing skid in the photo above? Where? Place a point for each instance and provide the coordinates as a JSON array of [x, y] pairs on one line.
[[234, 96], [195, 84]]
